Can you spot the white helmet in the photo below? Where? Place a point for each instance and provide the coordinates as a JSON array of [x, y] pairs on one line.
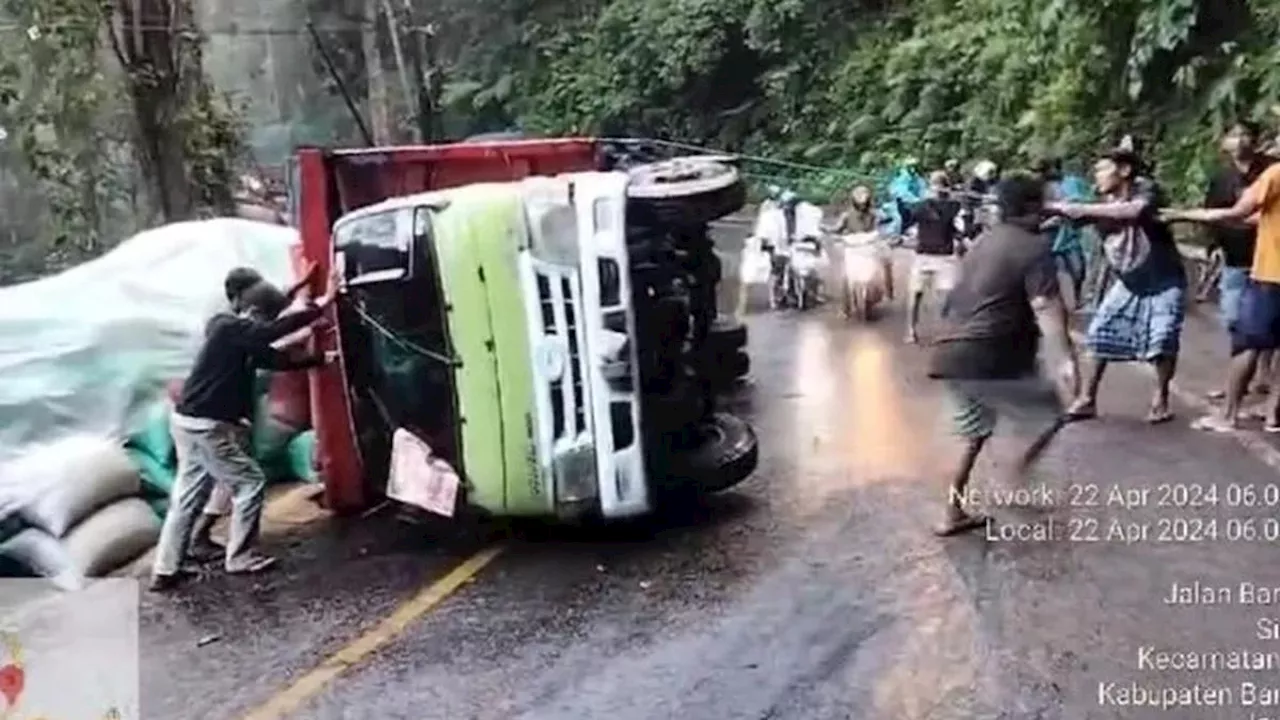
[[985, 170]]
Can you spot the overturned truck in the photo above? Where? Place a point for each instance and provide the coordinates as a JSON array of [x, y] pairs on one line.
[[548, 329]]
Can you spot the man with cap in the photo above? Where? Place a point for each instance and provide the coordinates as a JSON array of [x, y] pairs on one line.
[[211, 426]]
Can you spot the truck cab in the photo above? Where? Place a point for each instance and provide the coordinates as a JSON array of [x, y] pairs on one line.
[[502, 323]]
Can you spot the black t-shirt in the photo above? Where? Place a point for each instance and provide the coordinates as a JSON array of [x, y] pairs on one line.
[[220, 386], [1224, 190], [1156, 267], [935, 220], [991, 330]]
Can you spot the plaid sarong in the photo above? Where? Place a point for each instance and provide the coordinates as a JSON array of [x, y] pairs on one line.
[[1130, 327]]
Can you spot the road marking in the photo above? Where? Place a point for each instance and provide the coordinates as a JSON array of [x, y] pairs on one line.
[[292, 698]]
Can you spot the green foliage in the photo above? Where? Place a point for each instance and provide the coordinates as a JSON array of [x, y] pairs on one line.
[[52, 93], [860, 84]]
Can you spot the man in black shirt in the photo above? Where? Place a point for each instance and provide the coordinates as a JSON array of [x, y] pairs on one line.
[[267, 304], [1235, 241], [1006, 349], [211, 427], [935, 264]]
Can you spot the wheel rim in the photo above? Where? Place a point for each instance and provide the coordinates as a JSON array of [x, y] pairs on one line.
[[689, 175]]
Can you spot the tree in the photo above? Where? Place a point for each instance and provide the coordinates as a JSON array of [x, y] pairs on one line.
[[187, 136]]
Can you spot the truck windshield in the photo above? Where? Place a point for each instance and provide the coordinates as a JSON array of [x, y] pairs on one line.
[[398, 349]]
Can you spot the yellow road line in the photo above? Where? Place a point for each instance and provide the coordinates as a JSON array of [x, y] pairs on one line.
[[290, 699]]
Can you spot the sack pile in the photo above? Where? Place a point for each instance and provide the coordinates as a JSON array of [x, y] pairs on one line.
[[93, 506], [85, 516]]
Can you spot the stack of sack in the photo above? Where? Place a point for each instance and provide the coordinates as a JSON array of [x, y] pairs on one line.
[[283, 444], [85, 516], [94, 506]]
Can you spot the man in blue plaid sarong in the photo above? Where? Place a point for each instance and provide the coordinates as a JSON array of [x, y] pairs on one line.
[[1140, 319]]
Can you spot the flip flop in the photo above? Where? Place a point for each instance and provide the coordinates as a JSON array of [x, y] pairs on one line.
[[1211, 423], [252, 565], [968, 524], [1081, 414]]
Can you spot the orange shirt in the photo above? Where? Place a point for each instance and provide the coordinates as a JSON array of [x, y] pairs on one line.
[[1265, 192]]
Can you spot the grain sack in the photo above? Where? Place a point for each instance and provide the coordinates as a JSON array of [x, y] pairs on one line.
[[153, 437], [42, 555], [289, 399], [157, 478], [302, 457], [71, 478], [111, 537], [271, 440]]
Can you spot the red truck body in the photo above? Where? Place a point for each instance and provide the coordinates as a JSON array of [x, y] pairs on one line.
[[330, 183]]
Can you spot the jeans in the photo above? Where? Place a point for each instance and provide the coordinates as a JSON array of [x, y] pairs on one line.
[[1231, 285], [218, 455]]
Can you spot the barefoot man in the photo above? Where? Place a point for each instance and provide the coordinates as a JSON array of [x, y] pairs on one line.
[[1006, 351], [1257, 327]]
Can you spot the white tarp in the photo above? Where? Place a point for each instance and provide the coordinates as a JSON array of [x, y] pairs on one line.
[[86, 351]]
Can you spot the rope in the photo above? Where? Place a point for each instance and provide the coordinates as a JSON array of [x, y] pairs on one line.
[[744, 156], [402, 342]]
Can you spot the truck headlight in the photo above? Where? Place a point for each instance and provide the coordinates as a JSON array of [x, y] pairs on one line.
[[553, 232]]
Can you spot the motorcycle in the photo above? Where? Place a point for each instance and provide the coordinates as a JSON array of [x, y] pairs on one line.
[[866, 274], [796, 257], [798, 275]]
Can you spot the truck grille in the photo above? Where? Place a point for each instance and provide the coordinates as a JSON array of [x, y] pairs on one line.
[[556, 297]]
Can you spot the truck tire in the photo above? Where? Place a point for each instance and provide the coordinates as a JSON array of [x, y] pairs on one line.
[[727, 334], [724, 370], [727, 455], [685, 191]]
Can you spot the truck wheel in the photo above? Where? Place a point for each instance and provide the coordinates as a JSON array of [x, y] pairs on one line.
[[727, 334], [726, 369], [727, 455], [685, 191]]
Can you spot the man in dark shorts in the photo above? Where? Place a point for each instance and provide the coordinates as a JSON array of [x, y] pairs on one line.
[[1257, 329], [1006, 350], [1235, 241]]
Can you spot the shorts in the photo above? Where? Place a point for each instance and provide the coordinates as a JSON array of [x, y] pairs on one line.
[[1231, 285], [1031, 405], [1257, 326], [933, 272]]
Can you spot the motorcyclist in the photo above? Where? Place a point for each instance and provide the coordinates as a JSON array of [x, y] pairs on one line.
[[978, 195], [801, 223], [955, 177], [861, 216]]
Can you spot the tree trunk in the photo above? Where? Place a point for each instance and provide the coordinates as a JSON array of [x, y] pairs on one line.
[[160, 63], [379, 115], [406, 91]]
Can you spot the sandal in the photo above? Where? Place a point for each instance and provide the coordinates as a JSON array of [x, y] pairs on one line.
[[959, 526], [1213, 423], [1081, 411], [251, 564], [1158, 417]]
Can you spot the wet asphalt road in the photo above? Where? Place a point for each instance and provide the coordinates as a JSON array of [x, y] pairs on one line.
[[812, 591]]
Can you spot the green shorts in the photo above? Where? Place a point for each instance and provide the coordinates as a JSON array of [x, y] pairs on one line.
[[1031, 406]]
